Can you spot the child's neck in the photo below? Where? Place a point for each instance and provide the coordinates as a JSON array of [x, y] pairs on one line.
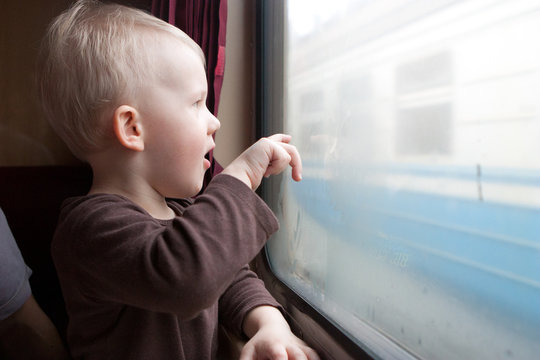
[[109, 181], [155, 205]]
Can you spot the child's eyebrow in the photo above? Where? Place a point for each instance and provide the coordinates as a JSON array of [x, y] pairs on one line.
[[197, 95], [201, 93]]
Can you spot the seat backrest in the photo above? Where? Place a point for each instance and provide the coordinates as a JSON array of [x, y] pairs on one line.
[[30, 197]]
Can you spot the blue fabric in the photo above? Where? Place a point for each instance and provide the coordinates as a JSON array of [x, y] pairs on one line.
[[14, 274]]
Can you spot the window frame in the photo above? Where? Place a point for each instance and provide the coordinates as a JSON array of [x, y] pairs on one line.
[[307, 322]]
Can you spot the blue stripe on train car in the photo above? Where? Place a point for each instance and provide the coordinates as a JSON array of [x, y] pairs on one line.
[[491, 249]]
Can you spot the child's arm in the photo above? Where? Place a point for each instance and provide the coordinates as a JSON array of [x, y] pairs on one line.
[[268, 156], [271, 337]]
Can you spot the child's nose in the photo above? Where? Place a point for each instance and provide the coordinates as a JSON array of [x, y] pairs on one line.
[[213, 124]]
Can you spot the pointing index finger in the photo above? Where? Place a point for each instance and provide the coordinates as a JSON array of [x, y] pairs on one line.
[[284, 138], [296, 161]]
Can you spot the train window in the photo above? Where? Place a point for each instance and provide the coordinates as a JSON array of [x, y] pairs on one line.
[[419, 126]]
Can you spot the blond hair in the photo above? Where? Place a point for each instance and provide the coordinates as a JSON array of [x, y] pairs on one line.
[[93, 56]]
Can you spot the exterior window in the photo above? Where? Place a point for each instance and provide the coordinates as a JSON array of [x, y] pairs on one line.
[[418, 217], [424, 130]]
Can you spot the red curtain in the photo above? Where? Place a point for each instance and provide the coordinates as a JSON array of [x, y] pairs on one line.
[[205, 21]]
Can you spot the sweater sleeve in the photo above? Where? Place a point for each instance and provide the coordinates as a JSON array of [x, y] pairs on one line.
[[14, 286], [245, 293], [122, 254]]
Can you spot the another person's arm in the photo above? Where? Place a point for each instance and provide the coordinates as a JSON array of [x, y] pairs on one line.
[[29, 334], [25, 331]]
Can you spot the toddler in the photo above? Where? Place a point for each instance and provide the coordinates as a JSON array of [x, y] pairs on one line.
[[144, 276]]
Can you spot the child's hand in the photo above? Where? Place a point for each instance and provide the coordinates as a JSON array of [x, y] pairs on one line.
[[268, 156], [277, 344], [272, 338]]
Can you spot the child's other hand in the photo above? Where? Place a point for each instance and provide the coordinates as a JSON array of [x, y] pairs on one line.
[[268, 156], [271, 338], [277, 343]]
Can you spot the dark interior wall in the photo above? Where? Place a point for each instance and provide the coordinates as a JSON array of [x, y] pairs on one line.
[[25, 137]]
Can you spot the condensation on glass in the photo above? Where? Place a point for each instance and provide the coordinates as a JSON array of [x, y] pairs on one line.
[[419, 211]]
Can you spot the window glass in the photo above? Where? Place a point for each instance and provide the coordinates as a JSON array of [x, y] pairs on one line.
[[419, 211]]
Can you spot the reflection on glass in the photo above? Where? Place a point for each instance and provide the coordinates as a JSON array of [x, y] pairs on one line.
[[419, 126]]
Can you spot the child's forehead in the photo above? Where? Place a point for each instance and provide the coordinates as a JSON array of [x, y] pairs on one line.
[[176, 64], [176, 56]]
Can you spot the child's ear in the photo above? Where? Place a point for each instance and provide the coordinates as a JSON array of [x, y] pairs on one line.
[[128, 127]]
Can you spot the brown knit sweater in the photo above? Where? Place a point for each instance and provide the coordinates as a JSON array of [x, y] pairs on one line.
[[140, 288]]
